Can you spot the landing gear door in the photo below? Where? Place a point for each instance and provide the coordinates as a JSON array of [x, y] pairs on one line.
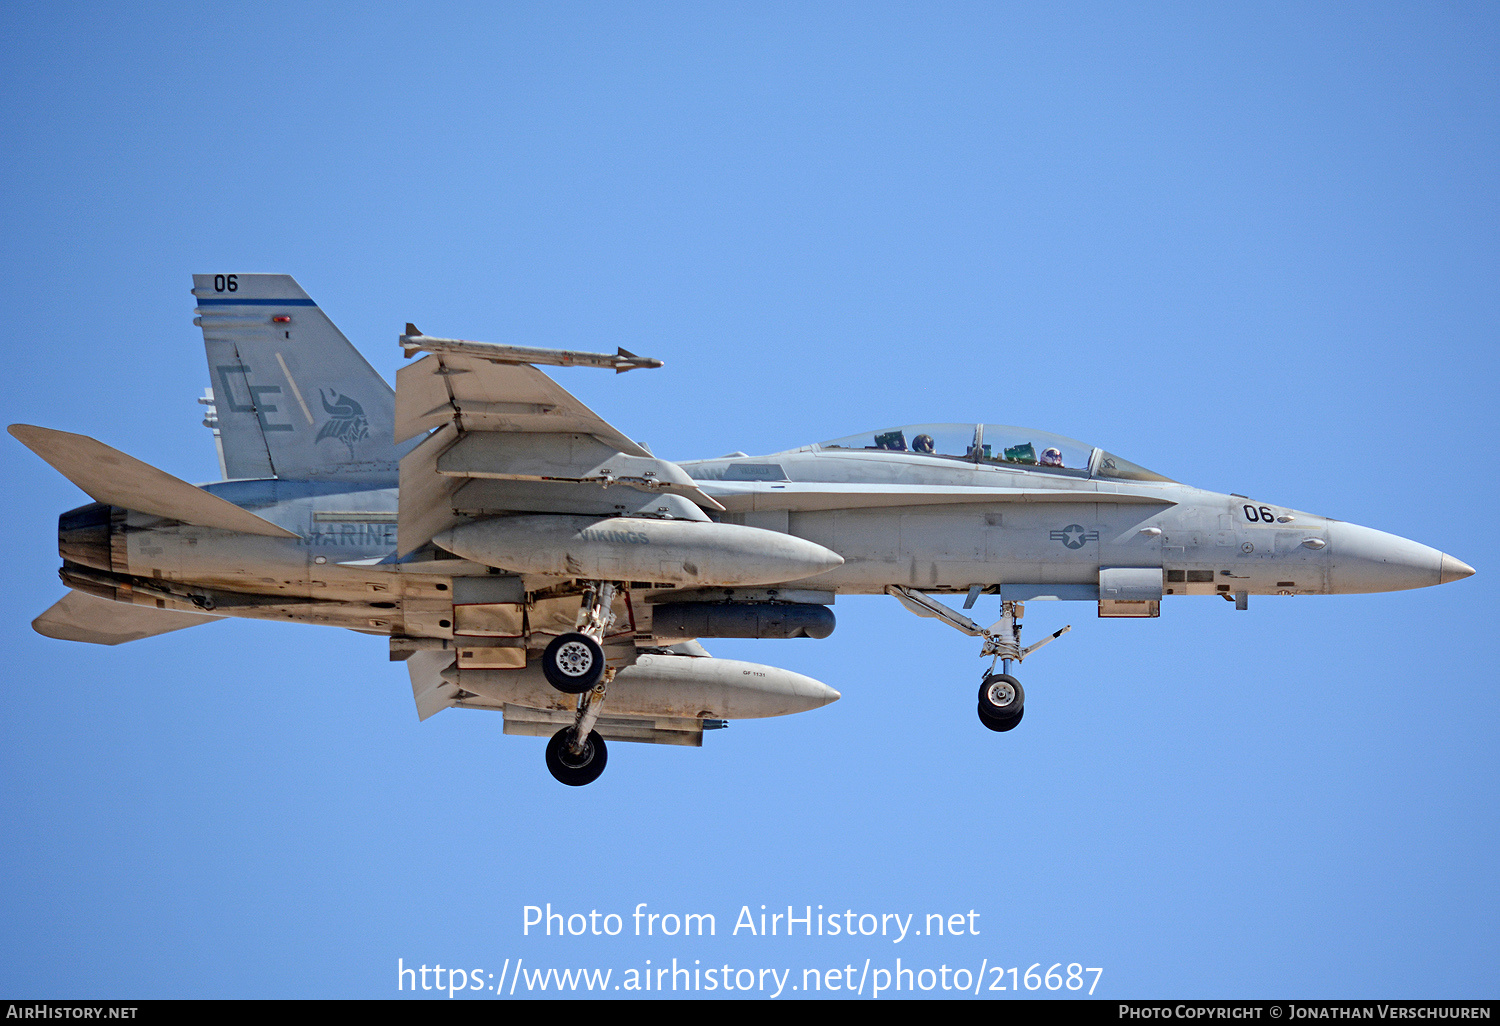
[[1130, 591]]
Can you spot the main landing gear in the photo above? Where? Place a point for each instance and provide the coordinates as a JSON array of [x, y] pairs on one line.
[[1002, 700], [574, 664], [576, 754]]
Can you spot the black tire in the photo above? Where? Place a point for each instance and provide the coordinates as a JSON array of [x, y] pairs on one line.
[[1001, 697], [1001, 726], [573, 663], [576, 770]]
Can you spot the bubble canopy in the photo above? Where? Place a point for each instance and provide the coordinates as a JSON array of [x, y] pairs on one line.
[[997, 445]]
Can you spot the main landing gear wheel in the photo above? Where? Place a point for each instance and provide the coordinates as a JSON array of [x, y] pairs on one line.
[[1002, 701], [573, 663], [576, 768]]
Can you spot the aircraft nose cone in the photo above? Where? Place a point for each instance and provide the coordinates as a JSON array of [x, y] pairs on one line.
[[1454, 570], [1366, 560]]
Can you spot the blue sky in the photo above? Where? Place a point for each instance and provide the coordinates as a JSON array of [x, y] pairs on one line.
[[1250, 247]]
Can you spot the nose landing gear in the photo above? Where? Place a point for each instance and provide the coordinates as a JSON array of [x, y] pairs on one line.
[[1002, 700]]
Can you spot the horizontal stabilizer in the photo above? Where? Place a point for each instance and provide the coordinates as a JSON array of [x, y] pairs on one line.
[[81, 617], [115, 479]]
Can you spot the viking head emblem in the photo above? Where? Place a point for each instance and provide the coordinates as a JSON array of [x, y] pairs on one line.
[[346, 419]]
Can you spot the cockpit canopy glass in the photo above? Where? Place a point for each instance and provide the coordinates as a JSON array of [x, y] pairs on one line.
[[1111, 465], [951, 440], [1015, 446], [997, 445]]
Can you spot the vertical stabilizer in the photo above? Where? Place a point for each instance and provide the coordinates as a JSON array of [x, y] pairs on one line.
[[294, 399]]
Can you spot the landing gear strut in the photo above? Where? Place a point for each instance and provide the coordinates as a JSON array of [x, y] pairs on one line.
[[576, 755], [1002, 701]]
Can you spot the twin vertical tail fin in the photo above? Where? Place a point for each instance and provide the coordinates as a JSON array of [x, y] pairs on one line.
[[293, 398]]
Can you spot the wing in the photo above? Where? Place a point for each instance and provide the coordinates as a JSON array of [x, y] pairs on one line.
[[506, 438]]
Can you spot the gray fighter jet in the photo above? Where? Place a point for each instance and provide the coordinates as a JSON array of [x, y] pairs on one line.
[[524, 556]]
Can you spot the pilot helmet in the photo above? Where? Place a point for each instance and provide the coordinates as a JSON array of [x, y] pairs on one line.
[[1051, 458], [923, 443]]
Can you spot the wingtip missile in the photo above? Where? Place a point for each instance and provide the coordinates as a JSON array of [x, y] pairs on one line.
[[413, 341]]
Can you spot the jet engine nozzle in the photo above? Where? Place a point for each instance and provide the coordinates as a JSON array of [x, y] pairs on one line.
[[83, 536]]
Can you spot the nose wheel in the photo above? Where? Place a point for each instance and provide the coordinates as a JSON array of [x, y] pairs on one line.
[[1002, 701]]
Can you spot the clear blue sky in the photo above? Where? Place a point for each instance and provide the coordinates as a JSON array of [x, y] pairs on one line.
[[1252, 247]]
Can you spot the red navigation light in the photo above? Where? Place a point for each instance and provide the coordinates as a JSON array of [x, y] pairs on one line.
[[282, 319]]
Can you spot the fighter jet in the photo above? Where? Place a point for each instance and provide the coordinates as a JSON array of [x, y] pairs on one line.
[[524, 556]]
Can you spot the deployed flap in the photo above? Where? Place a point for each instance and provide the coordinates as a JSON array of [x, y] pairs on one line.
[[294, 399], [116, 479], [81, 617], [485, 396]]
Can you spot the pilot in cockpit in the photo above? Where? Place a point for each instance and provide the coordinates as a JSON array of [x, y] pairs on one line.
[[1051, 458], [923, 444]]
